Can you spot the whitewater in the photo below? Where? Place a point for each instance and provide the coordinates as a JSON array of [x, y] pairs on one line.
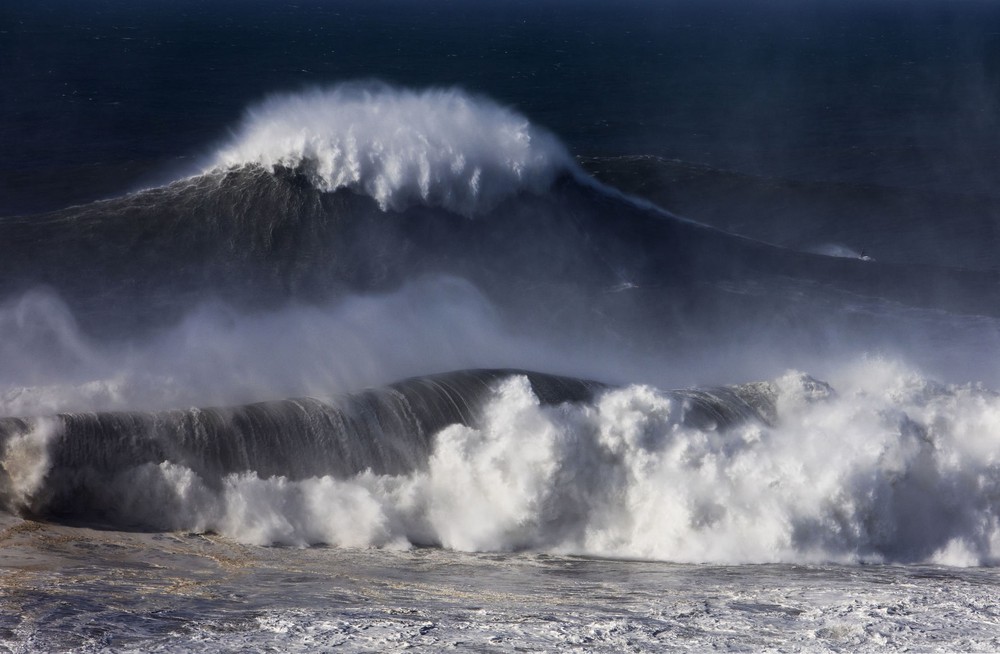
[[439, 147], [892, 469], [393, 346]]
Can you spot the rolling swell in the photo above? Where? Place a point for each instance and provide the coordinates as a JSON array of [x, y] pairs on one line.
[[258, 238], [366, 188]]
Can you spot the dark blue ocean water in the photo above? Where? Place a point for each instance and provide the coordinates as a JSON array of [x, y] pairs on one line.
[[105, 95]]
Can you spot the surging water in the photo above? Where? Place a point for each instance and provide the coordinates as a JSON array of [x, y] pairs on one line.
[[889, 467]]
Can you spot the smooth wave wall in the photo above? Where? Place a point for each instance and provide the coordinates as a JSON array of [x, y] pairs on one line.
[[439, 147]]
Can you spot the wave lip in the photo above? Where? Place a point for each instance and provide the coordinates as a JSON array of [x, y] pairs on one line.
[[439, 147]]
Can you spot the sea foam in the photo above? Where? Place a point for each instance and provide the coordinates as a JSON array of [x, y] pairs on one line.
[[891, 467], [440, 147]]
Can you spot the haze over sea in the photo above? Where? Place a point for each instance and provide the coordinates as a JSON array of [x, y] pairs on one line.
[[626, 326]]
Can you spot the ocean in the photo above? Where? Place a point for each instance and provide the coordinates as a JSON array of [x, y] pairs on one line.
[[496, 326]]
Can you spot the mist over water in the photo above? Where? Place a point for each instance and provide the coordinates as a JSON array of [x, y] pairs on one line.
[[218, 355]]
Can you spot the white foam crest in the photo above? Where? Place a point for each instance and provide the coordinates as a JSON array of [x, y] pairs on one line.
[[893, 468], [440, 147], [24, 462]]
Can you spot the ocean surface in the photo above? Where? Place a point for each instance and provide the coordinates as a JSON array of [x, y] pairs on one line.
[[550, 325]]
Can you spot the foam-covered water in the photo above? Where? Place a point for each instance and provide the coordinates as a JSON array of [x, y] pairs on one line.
[[84, 589]]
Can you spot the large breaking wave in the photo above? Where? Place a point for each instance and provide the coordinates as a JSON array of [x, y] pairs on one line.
[[360, 234], [890, 468]]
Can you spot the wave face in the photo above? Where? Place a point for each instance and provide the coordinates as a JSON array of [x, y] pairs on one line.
[[439, 147], [889, 468], [361, 189], [83, 464], [385, 430]]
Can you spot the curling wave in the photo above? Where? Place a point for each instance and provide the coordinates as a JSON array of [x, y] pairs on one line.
[[51, 463], [439, 147]]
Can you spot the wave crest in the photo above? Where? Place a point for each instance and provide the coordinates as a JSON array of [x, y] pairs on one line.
[[440, 147]]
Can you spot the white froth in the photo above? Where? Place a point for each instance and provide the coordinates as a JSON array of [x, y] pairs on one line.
[[439, 147], [891, 468], [24, 462]]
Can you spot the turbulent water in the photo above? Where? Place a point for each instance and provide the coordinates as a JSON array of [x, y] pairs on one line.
[[391, 364]]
